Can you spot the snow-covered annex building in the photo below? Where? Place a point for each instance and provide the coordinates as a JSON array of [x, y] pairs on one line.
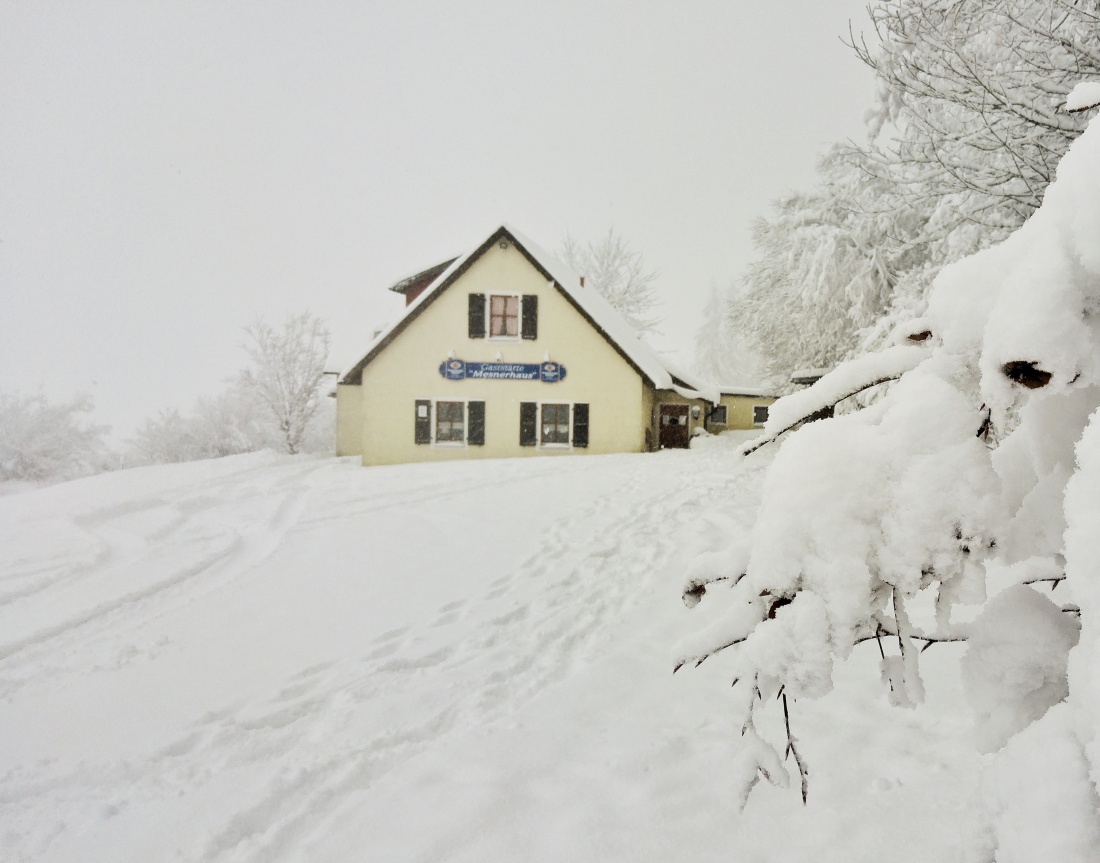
[[503, 352]]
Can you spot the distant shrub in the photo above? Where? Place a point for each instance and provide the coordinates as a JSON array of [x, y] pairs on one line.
[[43, 441]]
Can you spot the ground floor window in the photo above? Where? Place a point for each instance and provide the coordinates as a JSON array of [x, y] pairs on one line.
[[759, 414], [718, 415], [450, 422], [555, 424]]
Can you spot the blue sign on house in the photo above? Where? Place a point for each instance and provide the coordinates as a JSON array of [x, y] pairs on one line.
[[551, 373], [457, 370], [453, 370]]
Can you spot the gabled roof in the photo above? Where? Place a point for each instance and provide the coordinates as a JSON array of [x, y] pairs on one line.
[[655, 369]]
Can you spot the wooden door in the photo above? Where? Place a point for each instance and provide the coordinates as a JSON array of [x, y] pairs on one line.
[[674, 427]]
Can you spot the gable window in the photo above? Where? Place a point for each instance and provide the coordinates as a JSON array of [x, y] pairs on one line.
[[759, 414], [503, 316], [450, 422], [555, 424], [718, 416]]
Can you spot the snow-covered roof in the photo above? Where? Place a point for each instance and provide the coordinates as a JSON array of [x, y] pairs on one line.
[[590, 303], [742, 390], [808, 376]]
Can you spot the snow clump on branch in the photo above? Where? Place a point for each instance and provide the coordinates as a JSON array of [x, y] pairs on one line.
[[950, 487]]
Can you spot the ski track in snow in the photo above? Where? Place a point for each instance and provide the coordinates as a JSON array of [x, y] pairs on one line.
[[223, 553], [294, 756]]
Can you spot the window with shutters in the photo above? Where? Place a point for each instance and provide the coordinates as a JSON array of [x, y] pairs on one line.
[[554, 424], [503, 316], [450, 422]]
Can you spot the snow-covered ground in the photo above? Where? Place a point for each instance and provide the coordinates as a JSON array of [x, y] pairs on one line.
[[267, 658]]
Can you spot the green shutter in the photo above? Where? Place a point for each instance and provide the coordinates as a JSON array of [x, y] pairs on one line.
[[423, 415], [528, 423], [529, 312], [477, 316], [475, 435], [580, 425]]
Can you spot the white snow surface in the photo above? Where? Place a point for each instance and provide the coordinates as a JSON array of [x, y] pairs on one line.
[[267, 658], [1014, 669]]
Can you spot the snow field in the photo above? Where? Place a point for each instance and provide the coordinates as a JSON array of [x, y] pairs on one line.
[[264, 658]]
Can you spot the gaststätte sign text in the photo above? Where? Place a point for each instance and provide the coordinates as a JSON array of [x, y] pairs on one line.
[[458, 370]]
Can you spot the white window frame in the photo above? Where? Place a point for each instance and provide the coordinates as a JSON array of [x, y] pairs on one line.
[[489, 317], [673, 404], [434, 416], [538, 425], [756, 424]]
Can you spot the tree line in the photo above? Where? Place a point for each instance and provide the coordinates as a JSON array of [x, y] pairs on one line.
[[277, 402]]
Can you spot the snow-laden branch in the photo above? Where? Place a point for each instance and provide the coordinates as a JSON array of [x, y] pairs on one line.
[[843, 382]]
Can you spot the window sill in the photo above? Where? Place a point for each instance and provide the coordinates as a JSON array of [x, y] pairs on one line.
[[449, 444], [554, 446]]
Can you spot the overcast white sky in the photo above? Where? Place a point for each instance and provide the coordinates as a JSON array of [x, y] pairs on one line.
[[170, 170]]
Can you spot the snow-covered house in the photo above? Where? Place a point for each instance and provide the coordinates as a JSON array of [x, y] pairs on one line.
[[503, 352]]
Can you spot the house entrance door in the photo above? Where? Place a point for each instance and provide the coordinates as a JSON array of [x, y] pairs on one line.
[[674, 427]]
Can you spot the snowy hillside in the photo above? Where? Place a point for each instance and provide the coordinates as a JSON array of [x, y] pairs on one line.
[[266, 658]]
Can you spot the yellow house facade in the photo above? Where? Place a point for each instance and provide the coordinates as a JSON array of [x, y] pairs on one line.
[[504, 353]]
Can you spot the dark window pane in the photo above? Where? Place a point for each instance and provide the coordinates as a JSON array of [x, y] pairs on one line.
[[555, 424], [450, 423]]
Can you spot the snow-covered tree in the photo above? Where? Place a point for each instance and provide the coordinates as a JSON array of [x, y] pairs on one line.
[[976, 476], [618, 272], [234, 422], [964, 138], [721, 349], [41, 441], [288, 371], [277, 404], [828, 266], [968, 102]]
